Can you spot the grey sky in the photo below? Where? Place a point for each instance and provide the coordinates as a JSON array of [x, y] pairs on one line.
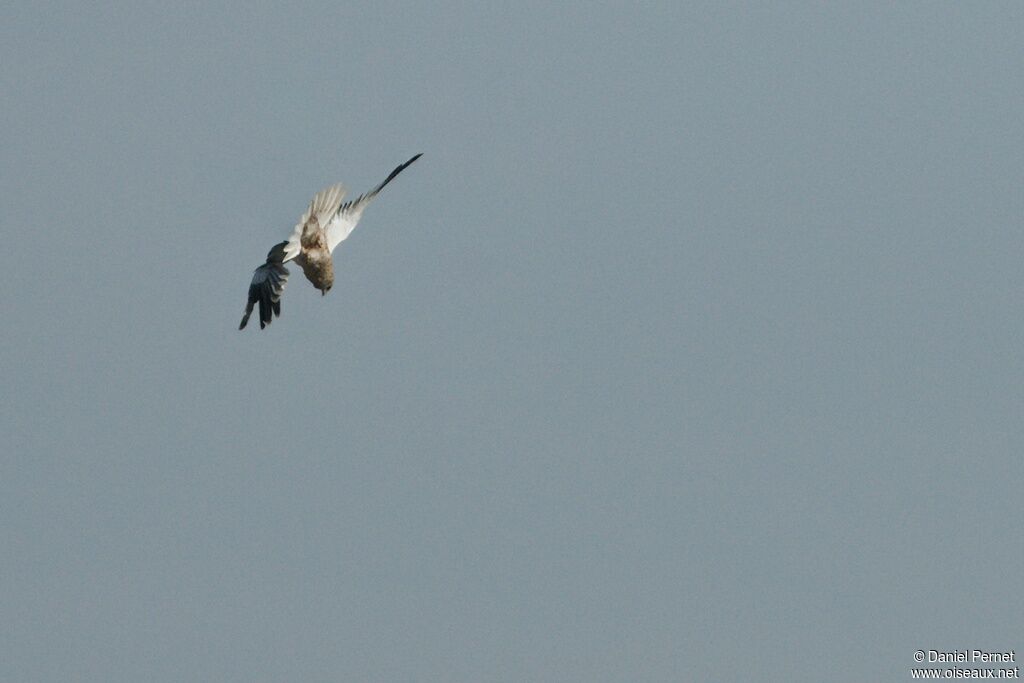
[[690, 349]]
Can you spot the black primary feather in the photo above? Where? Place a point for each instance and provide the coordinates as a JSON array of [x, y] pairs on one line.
[[267, 285]]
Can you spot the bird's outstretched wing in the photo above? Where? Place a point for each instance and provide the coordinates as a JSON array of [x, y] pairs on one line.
[[344, 220], [267, 285], [321, 209]]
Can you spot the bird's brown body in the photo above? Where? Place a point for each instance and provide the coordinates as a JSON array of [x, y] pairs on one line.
[[315, 260]]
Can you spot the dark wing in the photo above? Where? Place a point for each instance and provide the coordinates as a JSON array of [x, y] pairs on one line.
[[267, 285]]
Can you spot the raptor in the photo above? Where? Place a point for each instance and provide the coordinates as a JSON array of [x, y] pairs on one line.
[[325, 225]]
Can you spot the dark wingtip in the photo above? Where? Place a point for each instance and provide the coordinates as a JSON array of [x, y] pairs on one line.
[[407, 164], [373, 193]]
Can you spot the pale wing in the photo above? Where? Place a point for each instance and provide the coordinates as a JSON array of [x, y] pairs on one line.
[[343, 223], [267, 286], [347, 217], [320, 212]]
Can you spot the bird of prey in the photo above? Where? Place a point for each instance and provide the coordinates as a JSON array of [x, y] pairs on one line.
[[324, 226]]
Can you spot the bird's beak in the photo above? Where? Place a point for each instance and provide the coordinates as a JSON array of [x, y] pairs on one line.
[[323, 292]]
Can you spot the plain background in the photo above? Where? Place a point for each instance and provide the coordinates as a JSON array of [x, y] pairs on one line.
[[690, 349]]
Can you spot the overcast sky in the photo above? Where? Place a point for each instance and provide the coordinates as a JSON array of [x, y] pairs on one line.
[[690, 349]]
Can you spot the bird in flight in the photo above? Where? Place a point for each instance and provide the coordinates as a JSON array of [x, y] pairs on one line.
[[324, 226]]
